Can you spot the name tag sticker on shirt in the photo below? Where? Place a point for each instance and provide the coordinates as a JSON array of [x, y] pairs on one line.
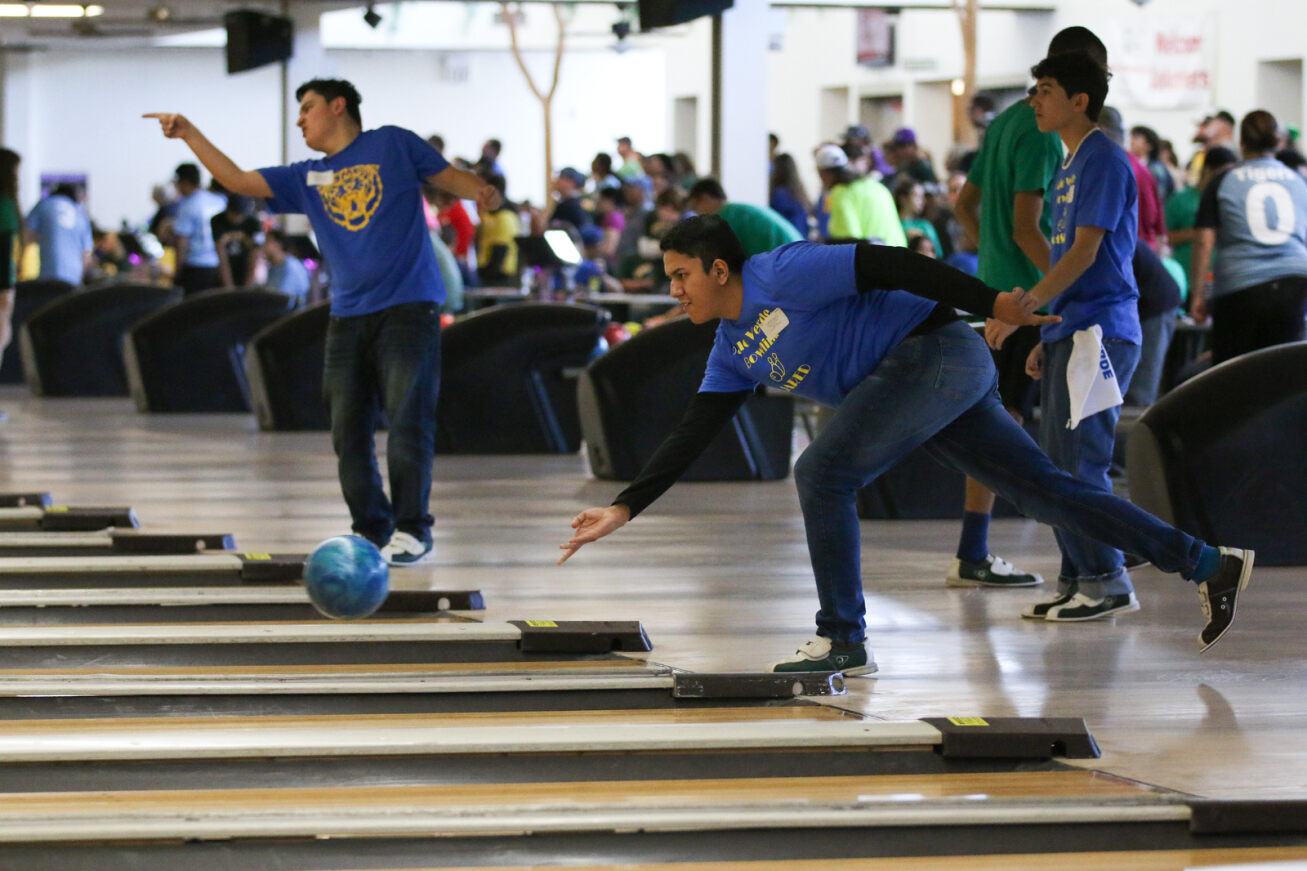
[[319, 179], [774, 323]]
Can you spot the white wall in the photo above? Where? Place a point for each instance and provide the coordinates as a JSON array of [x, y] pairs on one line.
[[80, 112]]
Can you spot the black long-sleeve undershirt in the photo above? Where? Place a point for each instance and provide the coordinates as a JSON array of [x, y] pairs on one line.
[[876, 268], [6, 258]]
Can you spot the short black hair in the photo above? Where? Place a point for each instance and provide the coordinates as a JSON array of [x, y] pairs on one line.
[[707, 187], [1072, 39], [1077, 72], [330, 89], [1259, 131], [436, 141], [707, 238], [1218, 157], [497, 181], [188, 173], [604, 161], [65, 189], [496, 145], [610, 193], [1292, 159]]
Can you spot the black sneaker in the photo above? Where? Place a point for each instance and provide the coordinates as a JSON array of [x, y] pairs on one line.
[[1039, 610], [1219, 593], [819, 655], [1082, 608], [993, 572]]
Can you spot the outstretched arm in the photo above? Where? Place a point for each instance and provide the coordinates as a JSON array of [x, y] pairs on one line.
[[466, 186], [707, 414], [247, 182]]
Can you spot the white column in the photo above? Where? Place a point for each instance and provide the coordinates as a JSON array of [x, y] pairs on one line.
[[19, 120], [308, 61], [744, 102]]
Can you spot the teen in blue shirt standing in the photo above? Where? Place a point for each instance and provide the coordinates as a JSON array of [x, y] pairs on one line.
[[363, 198], [830, 323], [1090, 283]]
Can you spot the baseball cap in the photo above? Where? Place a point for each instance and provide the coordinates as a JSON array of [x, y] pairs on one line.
[[905, 136], [857, 131], [831, 157], [571, 174]]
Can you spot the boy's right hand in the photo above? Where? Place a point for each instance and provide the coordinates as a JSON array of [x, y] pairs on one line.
[[174, 126], [1035, 362]]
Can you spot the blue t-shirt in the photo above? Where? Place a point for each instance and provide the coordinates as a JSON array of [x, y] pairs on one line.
[[64, 234], [805, 327], [365, 205], [789, 207], [194, 212], [1095, 187], [1259, 211], [290, 277]]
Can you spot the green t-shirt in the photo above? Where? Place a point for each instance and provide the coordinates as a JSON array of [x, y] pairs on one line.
[[1182, 214], [758, 229], [864, 209], [925, 228], [11, 222], [1015, 158]]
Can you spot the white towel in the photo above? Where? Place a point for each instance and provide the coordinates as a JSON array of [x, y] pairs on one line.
[[1090, 379]]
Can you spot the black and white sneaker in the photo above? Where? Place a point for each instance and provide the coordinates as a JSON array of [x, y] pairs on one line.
[[405, 550], [819, 655], [993, 572], [1039, 610], [1219, 593], [1082, 608]]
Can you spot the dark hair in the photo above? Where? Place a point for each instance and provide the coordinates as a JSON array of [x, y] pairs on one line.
[[496, 145], [1077, 72], [682, 165], [916, 239], [1259, 131], [1150, 136], [707, 187], [672, 197], [603, 161], [903, 189], [1217, 158], [1291, 158], [188, 173], [9, 161], [436, 141], [707, 238], [624, 139], [610, 193], [275, 235], [496, 181], [785, 176], [329, 90], [65, 189], [773, 140], [1078, 39]]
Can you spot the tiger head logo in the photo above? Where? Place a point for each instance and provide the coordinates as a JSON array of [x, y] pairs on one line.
[[353, 195]]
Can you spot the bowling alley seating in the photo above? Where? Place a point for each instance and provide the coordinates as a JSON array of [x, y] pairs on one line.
[[188, 356], [283, 366], [29, 296], [1220, 456], [634, 395], [508, 378], [74, 345]]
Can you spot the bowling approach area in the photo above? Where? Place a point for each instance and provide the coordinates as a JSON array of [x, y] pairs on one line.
[[170, 699]]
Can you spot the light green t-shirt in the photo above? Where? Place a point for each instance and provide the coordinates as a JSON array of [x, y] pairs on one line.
[[758, 229], [1015, 158], [864, 209]]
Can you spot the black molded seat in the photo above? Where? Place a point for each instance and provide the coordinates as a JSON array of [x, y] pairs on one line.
[[634, 395], [508, 378], [1221, 456], [188, 356], [74, 345], [283, 364], [29, 296]]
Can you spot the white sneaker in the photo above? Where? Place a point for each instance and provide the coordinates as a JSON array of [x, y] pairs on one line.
[[817, 654], [405, 550]]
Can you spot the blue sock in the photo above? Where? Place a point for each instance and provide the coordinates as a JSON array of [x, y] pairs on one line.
[[1208, 562], [973, 546]]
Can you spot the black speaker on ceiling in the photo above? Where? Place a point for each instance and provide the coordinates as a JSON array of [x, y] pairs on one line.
[[255, 39], [665, 13]]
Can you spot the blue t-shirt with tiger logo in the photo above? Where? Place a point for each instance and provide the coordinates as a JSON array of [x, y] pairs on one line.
[[365, 206], [804, 327]]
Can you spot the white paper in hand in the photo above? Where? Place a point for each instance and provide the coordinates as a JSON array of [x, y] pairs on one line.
[[1090, 379]]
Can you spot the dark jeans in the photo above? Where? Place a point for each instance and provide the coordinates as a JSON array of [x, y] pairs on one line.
[[386, 360], [1258, 317], [193, 279], [940, 391], [1094, 567]]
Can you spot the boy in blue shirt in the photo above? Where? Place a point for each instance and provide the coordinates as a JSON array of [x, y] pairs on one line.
[[829, 323], [363, 199], [1090, 284]]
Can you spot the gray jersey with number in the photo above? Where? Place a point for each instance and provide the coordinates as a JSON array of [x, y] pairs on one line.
[[1261, 224]]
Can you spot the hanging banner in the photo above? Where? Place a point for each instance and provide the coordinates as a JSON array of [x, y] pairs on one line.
[[1161, 63], [875, 38]]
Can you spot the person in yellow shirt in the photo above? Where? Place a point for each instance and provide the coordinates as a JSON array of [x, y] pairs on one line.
[[860, 207], [496, 239]]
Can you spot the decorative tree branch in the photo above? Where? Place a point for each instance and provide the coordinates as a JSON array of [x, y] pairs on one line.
[[967, 12], [546, 99]]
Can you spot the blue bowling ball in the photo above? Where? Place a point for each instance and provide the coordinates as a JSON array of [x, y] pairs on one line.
[[347, 577]]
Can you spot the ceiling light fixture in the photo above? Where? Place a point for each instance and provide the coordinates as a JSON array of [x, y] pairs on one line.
[[48, 10]]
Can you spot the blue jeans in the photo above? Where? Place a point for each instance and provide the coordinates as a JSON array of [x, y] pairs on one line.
[[388, 360], [940, 391], [1088, 565], [1144, 385]]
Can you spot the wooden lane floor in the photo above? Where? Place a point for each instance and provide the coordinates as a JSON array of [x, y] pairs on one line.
[[57, 607], [319, 642]]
